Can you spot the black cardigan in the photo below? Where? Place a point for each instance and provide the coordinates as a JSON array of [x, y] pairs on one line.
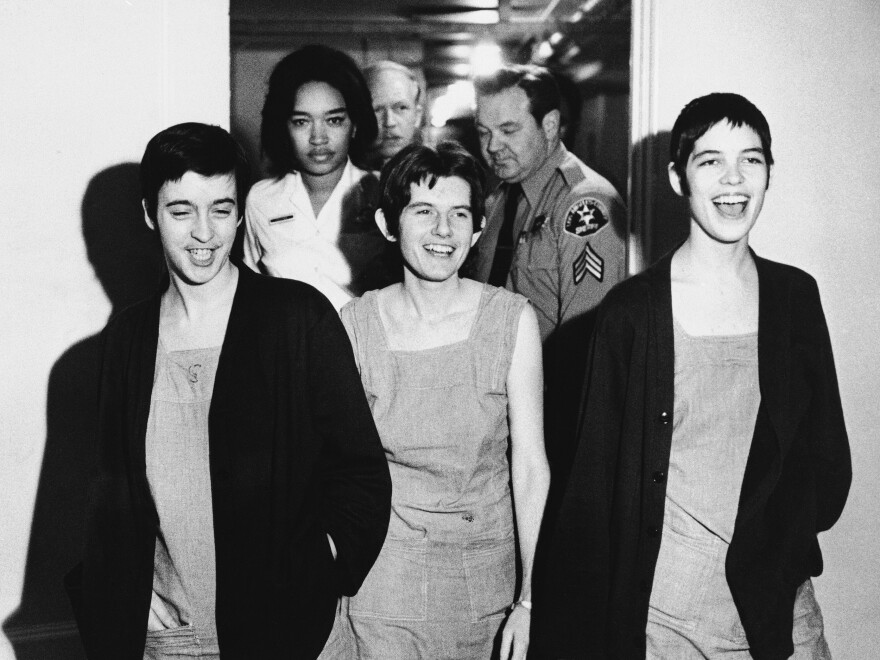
[[294, 454], [604, 549]]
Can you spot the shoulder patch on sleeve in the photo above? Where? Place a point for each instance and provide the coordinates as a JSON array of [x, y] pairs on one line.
[[586, 216]]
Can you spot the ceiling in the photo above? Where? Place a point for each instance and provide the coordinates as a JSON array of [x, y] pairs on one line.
[[591, 36]]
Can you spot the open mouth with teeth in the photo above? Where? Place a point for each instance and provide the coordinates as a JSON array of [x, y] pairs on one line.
[[201, 254], [731, 206], [439, 250]]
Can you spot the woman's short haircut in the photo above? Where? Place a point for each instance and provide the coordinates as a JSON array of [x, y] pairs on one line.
[[538, 83], [192, 147], [417, 164], [314, 63], [703, 113]]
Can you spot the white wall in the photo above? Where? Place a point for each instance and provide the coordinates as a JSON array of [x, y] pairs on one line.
[[84, 85], [813, 69]]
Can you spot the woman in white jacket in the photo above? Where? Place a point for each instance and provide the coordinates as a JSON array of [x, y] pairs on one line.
[[313, 220]]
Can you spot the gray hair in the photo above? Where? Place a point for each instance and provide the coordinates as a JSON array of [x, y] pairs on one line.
[[372, 71]]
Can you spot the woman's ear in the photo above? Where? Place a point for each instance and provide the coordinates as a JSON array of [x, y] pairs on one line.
[[147, 218], [383, 226], [674, 180]]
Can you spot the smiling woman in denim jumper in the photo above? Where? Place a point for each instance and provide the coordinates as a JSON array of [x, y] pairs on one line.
[[452, 370]]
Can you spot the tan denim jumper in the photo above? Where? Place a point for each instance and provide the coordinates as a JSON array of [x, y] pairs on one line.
[[184, 570], [692, 614], [446, 573]]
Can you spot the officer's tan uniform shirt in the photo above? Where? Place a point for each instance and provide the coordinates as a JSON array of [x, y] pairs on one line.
[[571, 250]]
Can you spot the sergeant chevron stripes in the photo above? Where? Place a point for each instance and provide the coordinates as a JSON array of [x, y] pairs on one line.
[[588, 261]]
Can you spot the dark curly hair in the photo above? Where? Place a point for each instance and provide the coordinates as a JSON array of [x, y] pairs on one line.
[[416, 164], [314, 63]]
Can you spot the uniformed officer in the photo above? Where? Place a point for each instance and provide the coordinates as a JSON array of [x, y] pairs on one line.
[[568, 235], [554, 233]]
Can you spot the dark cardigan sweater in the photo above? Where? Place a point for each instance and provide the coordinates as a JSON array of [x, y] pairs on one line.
[[604, 549], [294, 454]]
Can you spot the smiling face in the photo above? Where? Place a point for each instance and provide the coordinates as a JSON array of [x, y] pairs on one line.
[[320, 129], [397, 111], [436, 229], [196, 217], [512, 142], [728, 175]]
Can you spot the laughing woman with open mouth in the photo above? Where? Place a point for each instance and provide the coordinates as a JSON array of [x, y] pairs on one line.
[[712, 447], [242, 487]]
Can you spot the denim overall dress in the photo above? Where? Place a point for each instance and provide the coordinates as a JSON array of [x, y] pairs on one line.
[[177, 470], [446, 573], [691, 613]]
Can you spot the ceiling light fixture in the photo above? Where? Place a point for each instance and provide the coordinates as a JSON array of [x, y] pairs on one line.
[[544, 51], [585, 71], [486, 59], [475, 17], [458, 100]]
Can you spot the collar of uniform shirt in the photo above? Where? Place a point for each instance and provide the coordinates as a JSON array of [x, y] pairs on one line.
[[333, 207], [533, 187]]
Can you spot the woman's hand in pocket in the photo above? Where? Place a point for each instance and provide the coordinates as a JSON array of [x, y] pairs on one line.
[[162, 615]]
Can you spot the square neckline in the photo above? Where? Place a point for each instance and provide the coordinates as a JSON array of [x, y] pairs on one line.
[[165, 351], [383, 331], [710, 338]]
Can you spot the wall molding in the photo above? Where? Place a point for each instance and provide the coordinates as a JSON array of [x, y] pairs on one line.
[[643, 125]]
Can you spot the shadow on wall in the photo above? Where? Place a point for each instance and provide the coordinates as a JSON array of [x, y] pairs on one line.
[[127, 259], [669, 215]]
